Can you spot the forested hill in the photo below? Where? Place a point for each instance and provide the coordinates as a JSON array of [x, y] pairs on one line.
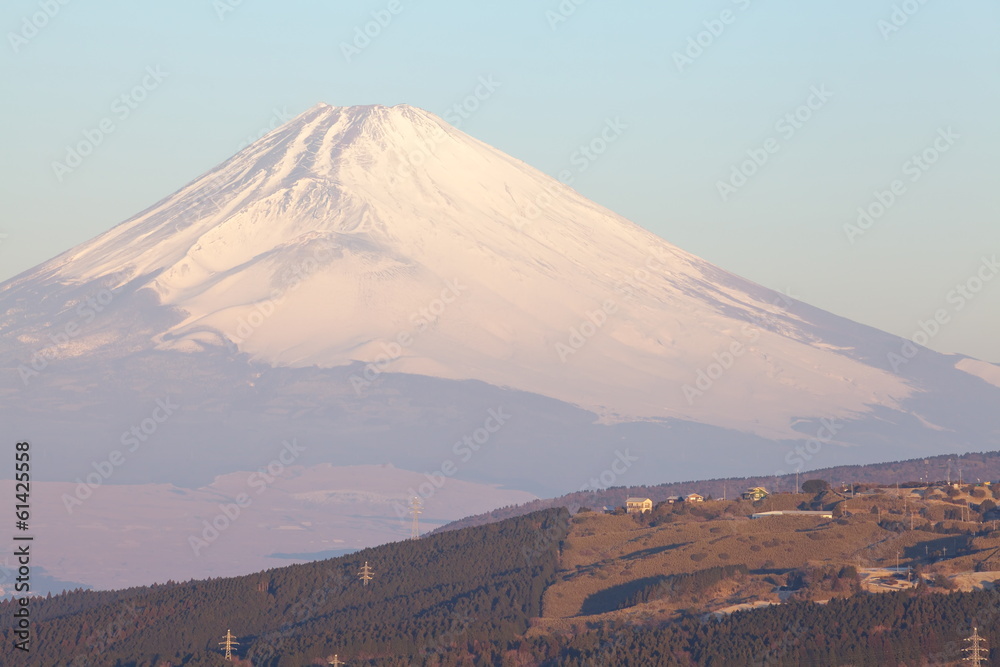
[[974, 466], [887, 630], [428, 599]]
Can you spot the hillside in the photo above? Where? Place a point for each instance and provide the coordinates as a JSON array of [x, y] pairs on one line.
[[686, 585], [973, 466], [704, 584], [427, 598], [609, 559]]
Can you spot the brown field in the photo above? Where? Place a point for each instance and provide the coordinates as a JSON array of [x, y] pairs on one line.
[[604, 551]]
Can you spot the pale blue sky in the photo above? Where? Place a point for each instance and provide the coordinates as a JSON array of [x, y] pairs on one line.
[[559, 83]]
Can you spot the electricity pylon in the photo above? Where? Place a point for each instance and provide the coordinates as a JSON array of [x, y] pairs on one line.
[[978, 653], [229, 641], [366, 574], [415, 509]]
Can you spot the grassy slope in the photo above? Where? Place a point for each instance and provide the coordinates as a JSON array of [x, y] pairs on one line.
[[606, 552]]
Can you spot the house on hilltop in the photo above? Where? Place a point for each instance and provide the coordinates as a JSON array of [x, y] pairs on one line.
[[638, 505], [694, 498], [755, 493]]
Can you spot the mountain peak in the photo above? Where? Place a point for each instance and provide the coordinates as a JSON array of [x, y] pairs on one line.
[[374, 114], [374, 212]]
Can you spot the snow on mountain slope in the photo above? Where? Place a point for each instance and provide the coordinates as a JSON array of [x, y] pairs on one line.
[[378, 234], [981, 369]]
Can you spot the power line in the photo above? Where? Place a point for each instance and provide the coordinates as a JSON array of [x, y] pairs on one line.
[[228, 642], [415, 509], [366, 574], [976, 649]]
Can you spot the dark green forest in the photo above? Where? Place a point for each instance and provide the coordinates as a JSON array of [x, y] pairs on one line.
[[428, 601], [888, 629]]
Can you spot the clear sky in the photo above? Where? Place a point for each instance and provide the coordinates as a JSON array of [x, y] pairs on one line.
[[700, 89]]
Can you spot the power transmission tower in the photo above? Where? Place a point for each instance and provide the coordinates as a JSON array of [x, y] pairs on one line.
[[229, 641], [415, 509], [978, 653], [366, 574], [336, 661]]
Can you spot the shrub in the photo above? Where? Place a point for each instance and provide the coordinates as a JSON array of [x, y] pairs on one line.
[[815, 486], [679, 585]]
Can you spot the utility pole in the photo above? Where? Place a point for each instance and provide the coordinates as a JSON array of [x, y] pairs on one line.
[[797, 487], [977, 651], [228, 642], [366, 574], [415, 509]]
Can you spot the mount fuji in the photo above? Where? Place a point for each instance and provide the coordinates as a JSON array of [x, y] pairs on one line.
[[385, 289]]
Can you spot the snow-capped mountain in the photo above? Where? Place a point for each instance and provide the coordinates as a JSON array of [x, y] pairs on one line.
[[380, 280]]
